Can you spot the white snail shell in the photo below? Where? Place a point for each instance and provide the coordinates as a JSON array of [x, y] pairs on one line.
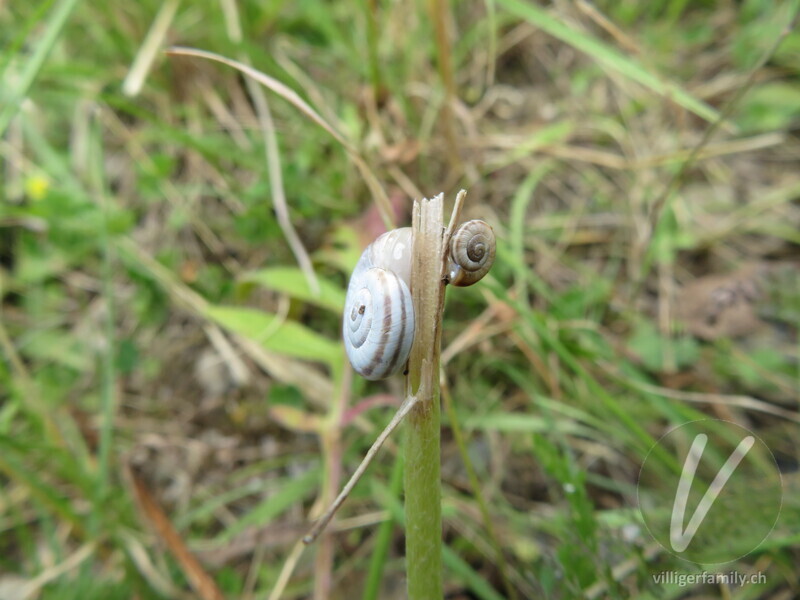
[[378, 326], [472, 250]]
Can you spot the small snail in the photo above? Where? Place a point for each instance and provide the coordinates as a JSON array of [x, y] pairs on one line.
[[379, 323], [472, 249]]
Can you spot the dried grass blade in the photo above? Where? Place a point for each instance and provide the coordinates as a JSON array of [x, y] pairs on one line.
[[201, 582]]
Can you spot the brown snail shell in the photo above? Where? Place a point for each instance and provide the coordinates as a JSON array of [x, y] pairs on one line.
[[472, 250]]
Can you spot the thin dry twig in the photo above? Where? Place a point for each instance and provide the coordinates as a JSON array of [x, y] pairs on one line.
[[276, 184], [455, 218], [201, 582], [404, 409], [287, 570]]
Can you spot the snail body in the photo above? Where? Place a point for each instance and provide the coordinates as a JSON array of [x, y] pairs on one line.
[[379, 323]]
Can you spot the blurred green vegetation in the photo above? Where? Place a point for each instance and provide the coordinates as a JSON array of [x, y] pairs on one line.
[[158, 334]]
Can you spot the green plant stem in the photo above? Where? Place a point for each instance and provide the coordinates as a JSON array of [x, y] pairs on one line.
[[423, 502], [423, 510]]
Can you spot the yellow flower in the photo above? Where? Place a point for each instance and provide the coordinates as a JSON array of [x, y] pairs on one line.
[[36, 187]]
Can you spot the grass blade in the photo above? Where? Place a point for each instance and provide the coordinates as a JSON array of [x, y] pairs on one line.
[[58, 18], [289, 493], [291, 281], [286, 337], [609, 57], [108, 382]]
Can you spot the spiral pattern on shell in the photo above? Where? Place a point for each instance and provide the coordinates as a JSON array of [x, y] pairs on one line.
[[472, 250], [379, 323]]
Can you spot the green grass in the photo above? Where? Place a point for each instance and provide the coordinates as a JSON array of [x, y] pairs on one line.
[[154, 317]]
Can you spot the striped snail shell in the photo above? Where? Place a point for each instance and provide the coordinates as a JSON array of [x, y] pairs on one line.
[[472, 250], [378, 326]]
